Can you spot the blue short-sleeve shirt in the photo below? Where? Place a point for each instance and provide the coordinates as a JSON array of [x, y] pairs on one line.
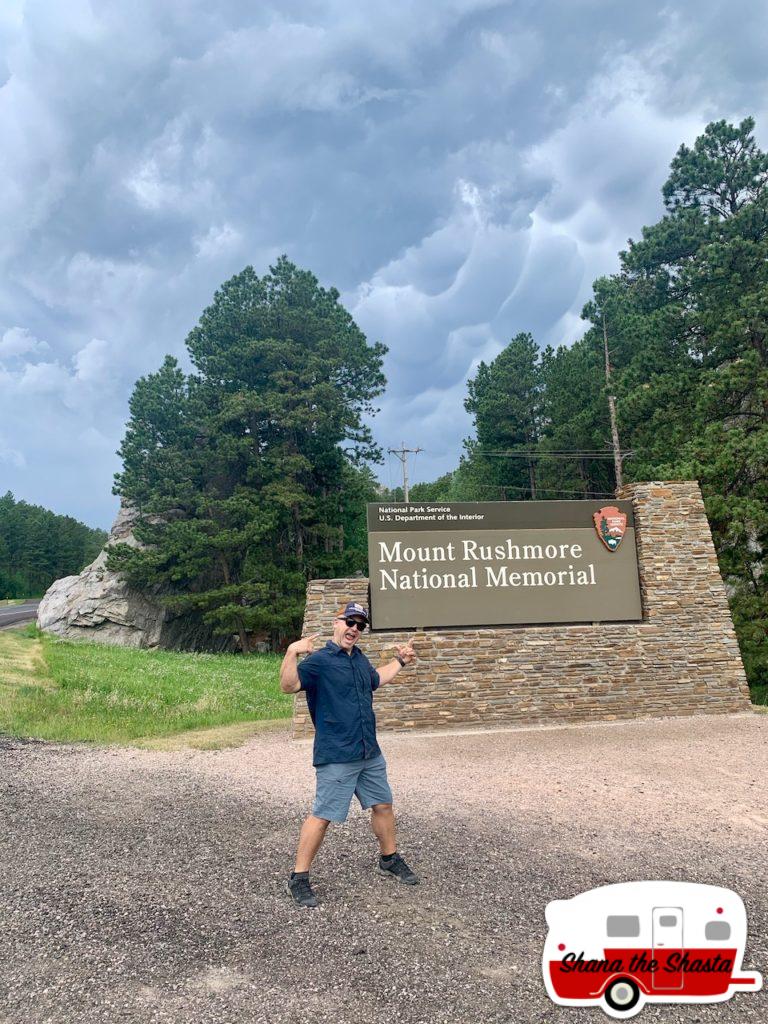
[[339, 688]]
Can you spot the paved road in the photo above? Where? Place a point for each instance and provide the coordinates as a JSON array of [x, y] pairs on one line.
[[142, 886], [15, 614]]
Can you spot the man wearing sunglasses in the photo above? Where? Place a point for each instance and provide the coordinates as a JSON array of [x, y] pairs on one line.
[[339, 682]]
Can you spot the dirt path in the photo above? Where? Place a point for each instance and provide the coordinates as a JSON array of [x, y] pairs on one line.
[[148, 886]]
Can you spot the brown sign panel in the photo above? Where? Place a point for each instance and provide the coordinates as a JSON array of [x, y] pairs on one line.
[[502, 563]]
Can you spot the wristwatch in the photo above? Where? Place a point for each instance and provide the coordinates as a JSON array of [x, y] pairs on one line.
[[402, 663]]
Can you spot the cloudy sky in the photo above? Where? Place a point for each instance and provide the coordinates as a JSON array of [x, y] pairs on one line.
[[461, 170]]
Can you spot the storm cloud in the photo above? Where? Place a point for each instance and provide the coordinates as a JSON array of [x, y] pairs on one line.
[[461, 171]]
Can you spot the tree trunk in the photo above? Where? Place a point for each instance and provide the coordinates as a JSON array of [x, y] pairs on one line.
[[224, 568], [299, 535], [758, 343], [239, 624], [241, 632], [581, 465], [612, 412]]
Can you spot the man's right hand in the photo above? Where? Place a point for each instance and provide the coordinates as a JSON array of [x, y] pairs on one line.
[[289, 675], [304, 646]]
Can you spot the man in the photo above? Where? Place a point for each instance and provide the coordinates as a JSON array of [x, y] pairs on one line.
[[339, 682]]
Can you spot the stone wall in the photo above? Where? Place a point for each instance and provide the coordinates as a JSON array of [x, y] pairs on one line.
[[682, 659]]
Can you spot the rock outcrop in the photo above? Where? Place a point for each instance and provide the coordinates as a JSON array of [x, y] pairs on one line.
[[98, 605]]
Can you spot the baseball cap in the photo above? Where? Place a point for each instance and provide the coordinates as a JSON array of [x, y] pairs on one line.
[[353, 609]]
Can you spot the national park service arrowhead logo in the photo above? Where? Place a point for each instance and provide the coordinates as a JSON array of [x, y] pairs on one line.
[[611, 525]]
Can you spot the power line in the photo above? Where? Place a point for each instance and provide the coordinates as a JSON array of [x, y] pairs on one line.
[[502, 488], [554, 451], [522, 454], [544, 451], [402, 454]]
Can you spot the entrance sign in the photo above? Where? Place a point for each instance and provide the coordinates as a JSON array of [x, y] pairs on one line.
[[680, 658], [502, 563]]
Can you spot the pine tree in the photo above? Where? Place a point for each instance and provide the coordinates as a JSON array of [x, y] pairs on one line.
[[504, 398], [248, 473]]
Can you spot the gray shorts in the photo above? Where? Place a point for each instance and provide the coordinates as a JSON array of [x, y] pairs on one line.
[[337, 783]]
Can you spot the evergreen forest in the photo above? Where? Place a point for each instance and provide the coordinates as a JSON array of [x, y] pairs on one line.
[[678, 342], [37, 547]]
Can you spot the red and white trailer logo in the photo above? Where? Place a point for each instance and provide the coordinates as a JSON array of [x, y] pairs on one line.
[[622, 946]]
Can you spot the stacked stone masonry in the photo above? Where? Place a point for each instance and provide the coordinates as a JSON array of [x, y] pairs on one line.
[[682, 659]]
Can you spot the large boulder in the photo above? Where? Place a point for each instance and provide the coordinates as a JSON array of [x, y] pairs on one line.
[[98, 605]]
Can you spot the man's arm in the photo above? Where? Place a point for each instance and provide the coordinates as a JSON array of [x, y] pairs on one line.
[[289, 673], [388, 672]]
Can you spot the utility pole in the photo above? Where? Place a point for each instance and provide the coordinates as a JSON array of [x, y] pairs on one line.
[[612, 411], [402, 454]]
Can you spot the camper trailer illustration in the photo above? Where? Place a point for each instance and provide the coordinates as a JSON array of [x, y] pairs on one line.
[[622, 946]]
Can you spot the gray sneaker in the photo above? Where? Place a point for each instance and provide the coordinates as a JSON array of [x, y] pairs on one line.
[[301, 891], [397, 868]]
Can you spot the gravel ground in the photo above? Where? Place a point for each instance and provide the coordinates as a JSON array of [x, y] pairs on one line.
[[146, 886]]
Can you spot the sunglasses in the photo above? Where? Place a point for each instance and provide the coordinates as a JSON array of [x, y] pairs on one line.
[[355, 622]]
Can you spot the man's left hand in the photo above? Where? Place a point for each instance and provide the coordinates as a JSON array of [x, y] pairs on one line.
[[406, 652]]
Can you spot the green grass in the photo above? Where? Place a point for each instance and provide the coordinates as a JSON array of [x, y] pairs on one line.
[[57, 690], [759, 695], [29, 629], [14, 600]]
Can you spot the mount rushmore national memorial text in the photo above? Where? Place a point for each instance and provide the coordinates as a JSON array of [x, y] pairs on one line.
[[502, 563]]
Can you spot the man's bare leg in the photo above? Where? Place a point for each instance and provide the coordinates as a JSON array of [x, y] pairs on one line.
[[310, 840], [390, 862], [383, 825]]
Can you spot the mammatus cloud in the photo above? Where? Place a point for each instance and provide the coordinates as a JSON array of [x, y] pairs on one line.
[[461, 171]]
